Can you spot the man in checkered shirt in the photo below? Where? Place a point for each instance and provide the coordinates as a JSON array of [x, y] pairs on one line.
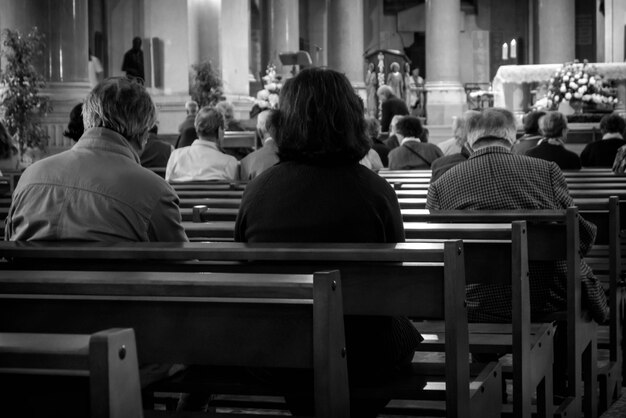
[[495, 178]]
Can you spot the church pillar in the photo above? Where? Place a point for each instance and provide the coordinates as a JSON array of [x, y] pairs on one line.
[[235, 46], [65, 59], [281, 32], [345, 38], [557, 25], [445, 94], [318, 31]]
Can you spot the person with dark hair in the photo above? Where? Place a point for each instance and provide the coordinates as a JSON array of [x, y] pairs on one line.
[[203, 160], [551, 147], [75, 127], [531, 136], [391, 106], [372, 128], [97, 190], [320, 193], [9, 154], [156, 153], [602, 153], [133, 62], [265, 157], [413, 153]]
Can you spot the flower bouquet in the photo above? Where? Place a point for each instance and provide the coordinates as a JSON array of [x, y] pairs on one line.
[[579, 84], [268, 97]]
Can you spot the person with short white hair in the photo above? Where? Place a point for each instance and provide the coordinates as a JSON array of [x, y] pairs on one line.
[[97, 190], [203, 160], [493, 178], [260, 160], [551, 147]]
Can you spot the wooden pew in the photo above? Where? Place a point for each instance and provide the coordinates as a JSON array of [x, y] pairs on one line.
[[552, 235], [249, 320], [105, 362], [378, 279]]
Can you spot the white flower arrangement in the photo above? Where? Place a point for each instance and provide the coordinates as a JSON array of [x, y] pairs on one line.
[[577, 82], [268, 97]]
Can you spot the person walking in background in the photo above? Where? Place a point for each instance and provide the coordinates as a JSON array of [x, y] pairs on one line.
[[95, 70], [391, 106], [133, 62]]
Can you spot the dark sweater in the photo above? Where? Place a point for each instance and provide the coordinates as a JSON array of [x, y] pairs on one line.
[[565, 159], [296, 202], [601, 153]]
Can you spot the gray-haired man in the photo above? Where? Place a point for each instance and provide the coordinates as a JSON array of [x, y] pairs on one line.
[[97, 190]]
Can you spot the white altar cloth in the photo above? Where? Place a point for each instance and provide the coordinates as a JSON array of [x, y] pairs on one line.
[[518, 74]]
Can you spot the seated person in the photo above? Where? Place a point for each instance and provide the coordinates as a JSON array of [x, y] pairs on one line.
[[453, 145], [75, 128], [97, 190], [495, 178], [619, 165], [187, 129], [265, 157], [156, 153], [320, 164], [602, 153], [553, 128], [413, 153], [372, 128], [228, 112], [392, 141], [531, 136], [443, 164], [203, 160], [9, 153]]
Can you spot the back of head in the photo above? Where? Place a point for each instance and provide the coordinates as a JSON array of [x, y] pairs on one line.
[[136, 43], [191, 107], [7, 149], [460, 126], [75, 127], [491, 125], [410, 127], [372, 127], [265, 123], [321, 119], [613, 123], [553, 125], [226, 109], [208, 122], [384, 91], [121, 105], [394, 122], [531, 122]]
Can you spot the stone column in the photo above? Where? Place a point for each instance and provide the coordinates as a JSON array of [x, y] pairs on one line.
[[345, 39], [557, 25], [64, 62], [445, 96], [204, 31], [64, 24], [318, 31], [235, 46], [281, 32]]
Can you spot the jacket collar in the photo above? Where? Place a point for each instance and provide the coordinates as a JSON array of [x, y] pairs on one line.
[[612, 135], [107, 140], [492, 149], [203, 143]]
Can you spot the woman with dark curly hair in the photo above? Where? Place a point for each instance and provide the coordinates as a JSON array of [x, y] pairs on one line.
[[320, 193], [9, 154]]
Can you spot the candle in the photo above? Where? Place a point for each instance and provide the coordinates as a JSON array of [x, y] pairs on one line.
[[505, 51], [513, 48]]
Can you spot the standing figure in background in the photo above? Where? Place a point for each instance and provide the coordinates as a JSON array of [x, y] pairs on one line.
[[133, 62], [95, 70], [395, 80], [370, 88], [420, 102], [410, 96]]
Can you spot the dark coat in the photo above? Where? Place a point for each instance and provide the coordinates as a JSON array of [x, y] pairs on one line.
[[565, 159], [391, 107]]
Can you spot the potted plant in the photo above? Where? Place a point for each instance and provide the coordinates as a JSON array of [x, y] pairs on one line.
[[20, 83], [206, 85]]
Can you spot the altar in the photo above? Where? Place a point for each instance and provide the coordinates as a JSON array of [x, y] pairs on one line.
[[511, 85]]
